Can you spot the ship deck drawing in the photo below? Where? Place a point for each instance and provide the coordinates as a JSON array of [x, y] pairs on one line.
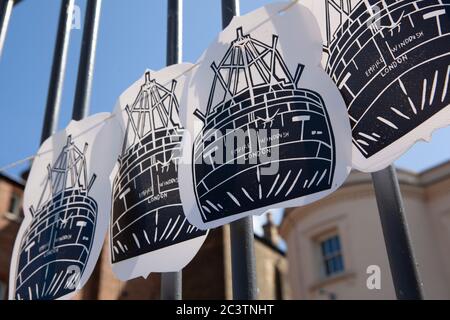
[[56, 245], [254, 92], [391, 61], [147, 212]]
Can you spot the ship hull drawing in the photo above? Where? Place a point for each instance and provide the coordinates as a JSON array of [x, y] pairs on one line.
[[391, 62], [147, 214], [56, 245], [277, 117]]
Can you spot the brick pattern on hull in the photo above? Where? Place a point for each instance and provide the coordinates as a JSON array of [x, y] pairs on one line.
[[44, 271], [149, 216], [401, 51]]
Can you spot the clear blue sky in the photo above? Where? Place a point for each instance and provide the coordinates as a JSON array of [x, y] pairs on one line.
[[132, 38]]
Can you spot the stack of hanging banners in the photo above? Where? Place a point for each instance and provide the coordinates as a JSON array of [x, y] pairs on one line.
[[275, 113]]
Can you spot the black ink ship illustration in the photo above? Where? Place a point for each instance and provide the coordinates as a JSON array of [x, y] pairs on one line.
[[381, 50], [56, 246], [147, 212], [253, 90]]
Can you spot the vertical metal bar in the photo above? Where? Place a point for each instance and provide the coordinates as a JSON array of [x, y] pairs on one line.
[[230, 8], [58, 69], [6, 7], [171, 286], [171, 282], [243, 263], [87, 60], [396, 235]]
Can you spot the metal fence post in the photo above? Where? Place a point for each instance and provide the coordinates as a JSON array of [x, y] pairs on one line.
[[171, 282], [396, 235], [58, 69], [174, 32], [171, 286], [6, 7], [87, 60], [243, 263]]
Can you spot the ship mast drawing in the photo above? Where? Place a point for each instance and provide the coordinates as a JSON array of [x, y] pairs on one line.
[[253, 90], [147, 214], [56, 245], [391, 62]]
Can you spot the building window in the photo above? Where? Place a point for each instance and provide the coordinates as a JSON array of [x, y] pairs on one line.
[[14, 210], [331, 255]]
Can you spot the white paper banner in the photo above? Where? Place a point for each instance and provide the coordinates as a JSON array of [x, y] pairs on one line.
[[149, 231], [391, 62], [266, 127], [66, 204]]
